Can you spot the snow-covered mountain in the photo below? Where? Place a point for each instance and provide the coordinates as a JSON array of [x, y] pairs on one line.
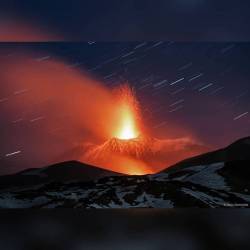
[[216, 179]]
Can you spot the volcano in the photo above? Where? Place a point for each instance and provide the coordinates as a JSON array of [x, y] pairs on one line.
[[128, 145], [130, 149], [132, 156]]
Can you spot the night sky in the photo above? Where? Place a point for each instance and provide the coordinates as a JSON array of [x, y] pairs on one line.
[[192, 79], [184, 88], [182, 20]]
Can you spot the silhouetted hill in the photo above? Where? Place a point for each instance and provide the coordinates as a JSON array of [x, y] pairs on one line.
[[61, 172], [237, 151]]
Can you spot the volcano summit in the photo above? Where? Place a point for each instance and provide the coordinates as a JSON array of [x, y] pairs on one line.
[[138, 147]]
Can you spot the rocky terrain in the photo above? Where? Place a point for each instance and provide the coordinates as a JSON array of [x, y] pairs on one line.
[[216, 179]]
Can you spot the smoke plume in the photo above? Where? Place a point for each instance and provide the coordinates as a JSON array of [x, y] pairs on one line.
[[48, 109]]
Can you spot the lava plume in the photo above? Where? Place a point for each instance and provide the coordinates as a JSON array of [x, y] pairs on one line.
[[128, 114]]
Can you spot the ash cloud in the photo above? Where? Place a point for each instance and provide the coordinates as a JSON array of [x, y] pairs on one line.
[[46, 107]]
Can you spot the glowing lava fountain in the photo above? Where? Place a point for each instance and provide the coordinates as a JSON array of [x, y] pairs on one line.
[[128, 116]]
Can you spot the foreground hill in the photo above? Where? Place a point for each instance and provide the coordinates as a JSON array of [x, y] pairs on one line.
[[237, 151], [216, 179], [62, 172]]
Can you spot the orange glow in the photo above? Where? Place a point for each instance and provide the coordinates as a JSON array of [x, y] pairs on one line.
[[127, 109], [125, 149], [118, 163], [127, 129], [13, 29], [102, 127]]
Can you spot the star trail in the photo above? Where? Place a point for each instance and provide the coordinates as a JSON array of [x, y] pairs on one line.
[[183, 88]]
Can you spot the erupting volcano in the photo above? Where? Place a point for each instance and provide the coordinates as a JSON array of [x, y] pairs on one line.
[[128, 148]]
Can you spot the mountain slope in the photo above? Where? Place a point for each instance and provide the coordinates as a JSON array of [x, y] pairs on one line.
[[239, 150], [217, 179]]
